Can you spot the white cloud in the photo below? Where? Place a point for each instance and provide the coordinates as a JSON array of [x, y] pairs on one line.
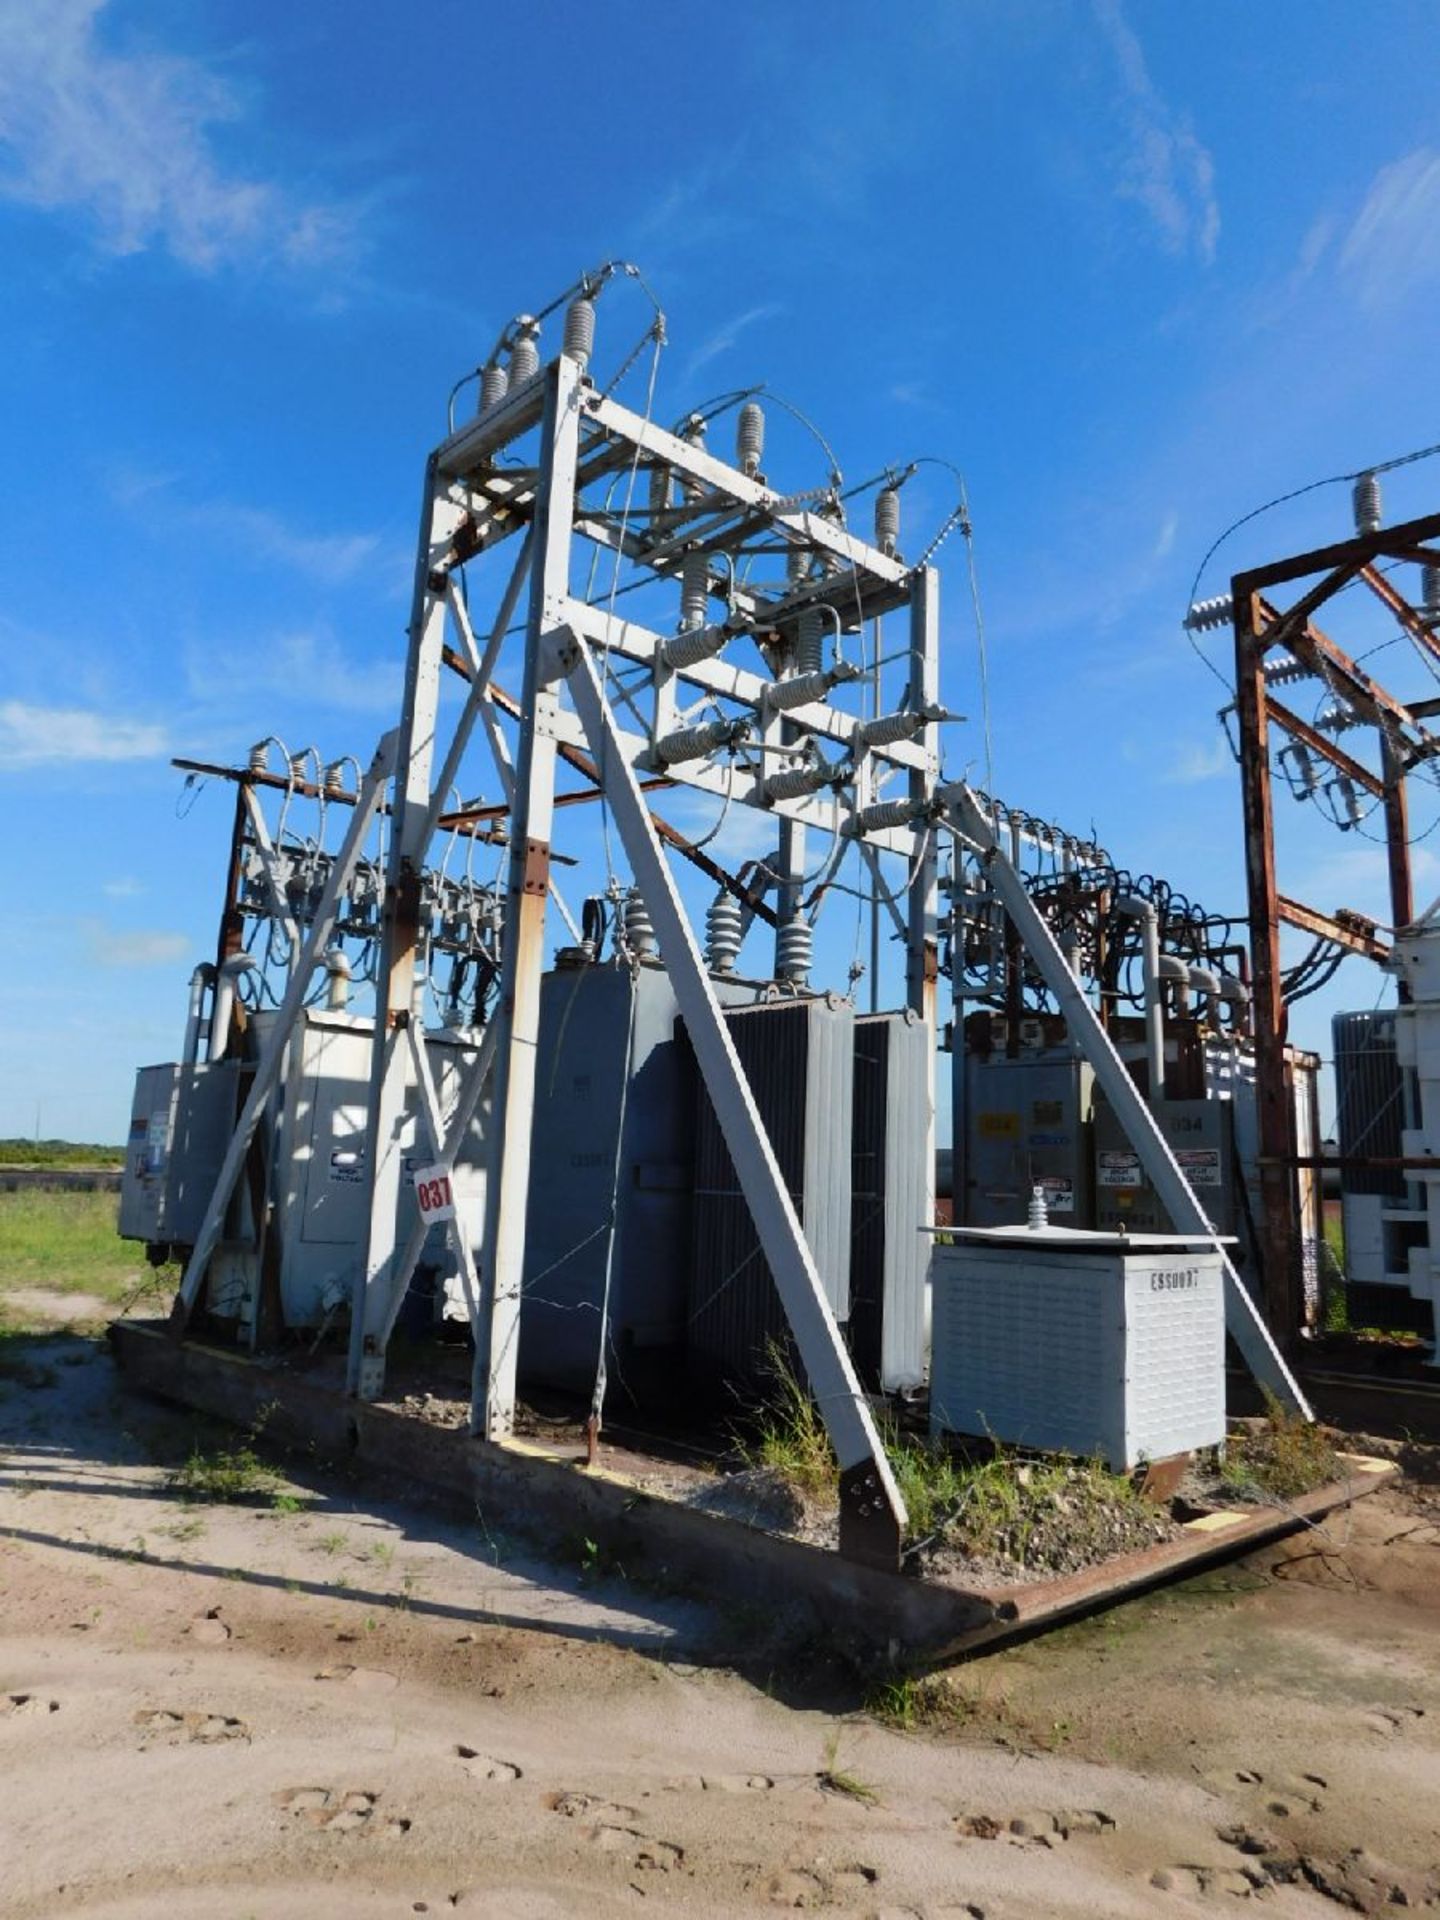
[[725, 336], [749, 833], [122, 888], [159, 502], [33, 736], [109, 947], [307, 667], [124, 136], [1393, 245], [1166, 170], [1197, 763]]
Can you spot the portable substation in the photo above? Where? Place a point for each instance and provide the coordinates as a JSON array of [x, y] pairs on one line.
[[701, 1127]]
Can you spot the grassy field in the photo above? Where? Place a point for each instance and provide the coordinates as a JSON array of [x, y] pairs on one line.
[[59, 1153], [66, 1243]]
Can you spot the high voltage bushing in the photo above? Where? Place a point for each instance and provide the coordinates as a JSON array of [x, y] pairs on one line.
[[724, 933], [795, 782], [750, 438], [1366, 501], [639, 928], [494, 385], [524, 351], [780, 695], [810, 640], [793, 948], [1338, 719], [694, 743], [659, 489], [579, 341]]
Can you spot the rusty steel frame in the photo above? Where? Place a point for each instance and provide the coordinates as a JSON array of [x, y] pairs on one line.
[[1404, 740]]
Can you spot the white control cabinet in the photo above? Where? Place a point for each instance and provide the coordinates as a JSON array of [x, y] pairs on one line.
[[1087, 1343]]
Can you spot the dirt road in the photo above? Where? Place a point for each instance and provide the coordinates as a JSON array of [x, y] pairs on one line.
[[323, 1705]]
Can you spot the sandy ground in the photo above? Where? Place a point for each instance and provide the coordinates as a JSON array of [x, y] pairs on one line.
[[363, 1709]]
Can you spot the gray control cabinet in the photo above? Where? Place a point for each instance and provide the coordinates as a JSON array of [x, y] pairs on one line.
[[1025, 1123]]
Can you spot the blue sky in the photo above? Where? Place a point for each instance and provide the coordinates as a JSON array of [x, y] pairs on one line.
[[1134, 269]]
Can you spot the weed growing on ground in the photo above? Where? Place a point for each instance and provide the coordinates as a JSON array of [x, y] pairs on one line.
[[285, 1502], [1280, 1459], [333, 1542], [788, 1435], [228, 1474], [833, 1778]]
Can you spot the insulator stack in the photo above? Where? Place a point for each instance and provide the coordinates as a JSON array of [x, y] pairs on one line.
[[797, 566], [887, 520], [798, 691], [298, 763], [694, 743], [889, 728], [1306, 779], [795, 782], [524, 351], [793, 947], [724, 933], [1430, 589], [334, 780], [886, 813], [579, 340], [1283, 669], [1216, 612], [694, 436], [1038, 1213], [695, 644], [694, 590], [639, 928], [1338, 719], [750, 438], [494, 385], [260, 756], [1366, 498], [659, 489], [810, 641]]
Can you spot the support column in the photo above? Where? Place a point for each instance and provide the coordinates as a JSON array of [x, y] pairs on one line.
[[400, 933], [492, 1410], [922, 950], [1281, 1285]]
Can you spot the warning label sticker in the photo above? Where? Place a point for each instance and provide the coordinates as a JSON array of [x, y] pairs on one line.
[[1119, 1168], [1059, 1191], [1200, 1165]]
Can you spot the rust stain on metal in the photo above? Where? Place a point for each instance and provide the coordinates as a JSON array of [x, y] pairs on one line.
[[537, 867]]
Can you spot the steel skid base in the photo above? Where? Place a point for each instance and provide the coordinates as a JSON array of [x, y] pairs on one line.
[[814, 1597]]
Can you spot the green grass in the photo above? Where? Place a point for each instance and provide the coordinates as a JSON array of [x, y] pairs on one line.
[[227, 1474], [788, 1435], [1004, 1508], [68, 1242]]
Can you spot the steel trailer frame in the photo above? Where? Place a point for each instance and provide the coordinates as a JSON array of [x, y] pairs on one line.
[[573, 706]]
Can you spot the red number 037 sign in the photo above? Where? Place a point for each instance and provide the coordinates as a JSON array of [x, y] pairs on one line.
[[434, 1193]]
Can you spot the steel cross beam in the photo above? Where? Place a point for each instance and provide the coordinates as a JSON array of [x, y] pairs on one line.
[[872, 1512], [971, 824], [272, 1052]]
